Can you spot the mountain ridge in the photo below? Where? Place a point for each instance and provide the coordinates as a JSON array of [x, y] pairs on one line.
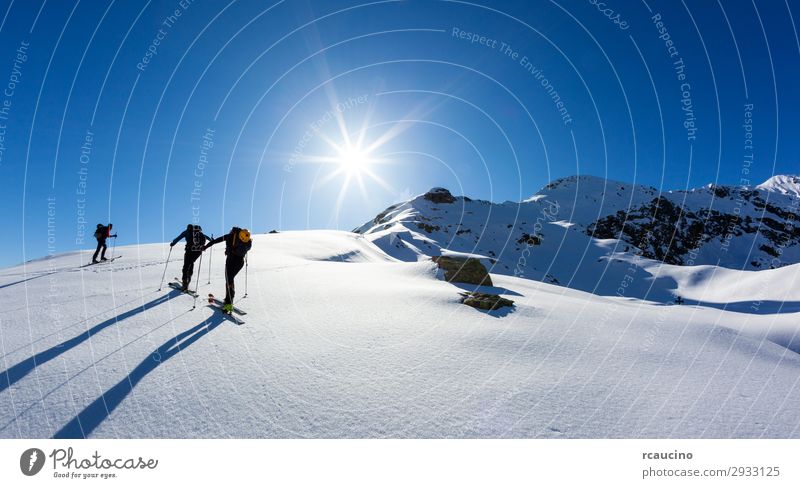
[[571, 221]]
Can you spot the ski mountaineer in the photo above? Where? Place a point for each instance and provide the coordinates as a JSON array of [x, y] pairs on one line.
[[237, 243], [102, 233], [195, 240]]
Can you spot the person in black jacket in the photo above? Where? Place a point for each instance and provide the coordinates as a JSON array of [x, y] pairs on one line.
[[195, 240], [102, 233], [237, 243]]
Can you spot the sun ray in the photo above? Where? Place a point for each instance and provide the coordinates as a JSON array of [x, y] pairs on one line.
[[361, 186], [340, 197], [365, 124], [418, 112], [350, 153], [329, 177], [377, 179]]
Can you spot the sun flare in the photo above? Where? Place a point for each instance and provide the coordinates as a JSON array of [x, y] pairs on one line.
[[353, 159]]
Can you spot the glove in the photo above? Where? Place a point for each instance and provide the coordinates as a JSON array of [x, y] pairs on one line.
[[114, 236], [171, 244]]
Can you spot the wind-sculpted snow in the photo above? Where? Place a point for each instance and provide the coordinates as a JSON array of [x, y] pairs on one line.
[[368, 346]]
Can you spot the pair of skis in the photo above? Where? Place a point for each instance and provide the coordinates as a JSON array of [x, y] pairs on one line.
[[108, 260], [213, 302], [218, 304], [176, 284]]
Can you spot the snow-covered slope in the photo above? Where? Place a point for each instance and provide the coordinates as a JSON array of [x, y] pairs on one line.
[[784, 184], [590, 233], [342, 340]]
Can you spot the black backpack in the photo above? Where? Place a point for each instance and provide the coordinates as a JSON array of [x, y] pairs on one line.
[[237, 247], [101, 232], [197, 239]]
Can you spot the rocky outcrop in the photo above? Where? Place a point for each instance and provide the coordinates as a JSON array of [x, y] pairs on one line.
[[439, 195], [485, 301], [463, 270], [737, 227], [671, 232]]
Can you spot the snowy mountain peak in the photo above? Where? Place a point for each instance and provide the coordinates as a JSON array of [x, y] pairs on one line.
[[590, 185], [588, 182], [582, 222], [439, 195], [783, 184]]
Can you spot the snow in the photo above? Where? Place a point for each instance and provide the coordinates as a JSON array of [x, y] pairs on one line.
[[561, 216], [344, 340], [783, 184], [583, 199]]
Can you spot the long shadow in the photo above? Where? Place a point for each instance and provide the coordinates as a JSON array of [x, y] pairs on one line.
[[24, 367], [758, 307], [65, 328], [27, 279], [93, 415], [495, 290]]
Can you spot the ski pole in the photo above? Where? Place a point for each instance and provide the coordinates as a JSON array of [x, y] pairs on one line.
[[113, 248], [165, 269], [197, 282], [245, 277], [209, 261]]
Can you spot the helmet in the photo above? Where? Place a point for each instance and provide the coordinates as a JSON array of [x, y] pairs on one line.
[[244, 235]]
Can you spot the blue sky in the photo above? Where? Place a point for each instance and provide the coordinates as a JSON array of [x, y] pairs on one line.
[[231, 113]]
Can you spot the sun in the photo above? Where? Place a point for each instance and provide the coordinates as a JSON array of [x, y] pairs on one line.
[[351, 156], [353, 159]]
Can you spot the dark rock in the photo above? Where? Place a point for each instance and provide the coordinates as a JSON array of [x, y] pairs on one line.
[[427, 227], [669, 232], [439, 195], [485, 301], [530, 240], [721, 191], [769, 250], [379, 219], [463, 270]]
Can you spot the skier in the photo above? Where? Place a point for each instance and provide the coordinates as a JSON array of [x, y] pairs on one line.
[[195, 240], [102, 233], [237, 243]]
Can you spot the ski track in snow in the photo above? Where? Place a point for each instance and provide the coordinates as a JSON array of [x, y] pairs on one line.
[[342, 340]]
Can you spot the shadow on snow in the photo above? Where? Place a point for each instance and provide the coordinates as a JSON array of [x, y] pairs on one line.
[[93, 415], [27, 279], [758, 307], [23, 368]]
